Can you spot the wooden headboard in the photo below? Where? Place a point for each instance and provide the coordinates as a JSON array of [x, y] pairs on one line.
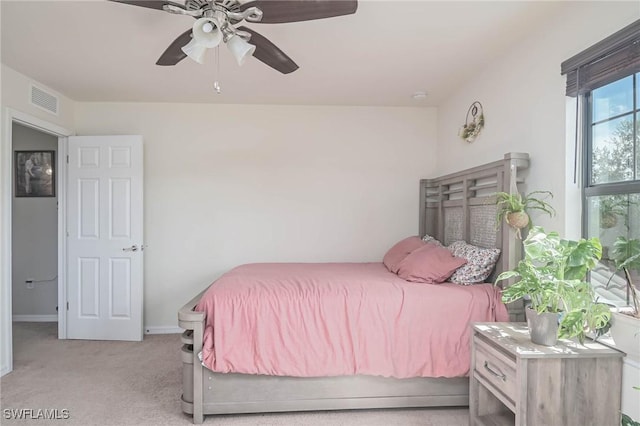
[[461, 206]]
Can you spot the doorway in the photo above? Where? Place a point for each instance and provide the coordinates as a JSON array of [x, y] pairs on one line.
[[121, 152], [8, 181], [34, 228]]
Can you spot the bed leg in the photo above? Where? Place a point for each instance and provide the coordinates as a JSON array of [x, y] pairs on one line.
[[198, 414], [190, 319], [198, 397]]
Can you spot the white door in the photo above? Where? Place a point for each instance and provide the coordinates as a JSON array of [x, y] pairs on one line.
[[105, 241]]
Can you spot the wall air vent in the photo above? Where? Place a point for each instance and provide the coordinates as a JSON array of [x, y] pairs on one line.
[[44, 100]]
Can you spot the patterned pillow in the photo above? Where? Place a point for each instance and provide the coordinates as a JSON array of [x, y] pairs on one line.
[[480, 263], [429, 239]]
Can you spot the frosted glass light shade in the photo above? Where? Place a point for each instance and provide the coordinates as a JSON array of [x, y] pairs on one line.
[[202, 40], [240, 49], [195, 51]]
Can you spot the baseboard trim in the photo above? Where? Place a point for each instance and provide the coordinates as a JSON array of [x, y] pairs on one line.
[[4, 370], [54, 318], [162, 330], [35, 318]]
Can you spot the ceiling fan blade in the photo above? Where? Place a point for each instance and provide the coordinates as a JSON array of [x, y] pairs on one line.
[[269, 53], [281, 11], [174, 53], [151, 4]]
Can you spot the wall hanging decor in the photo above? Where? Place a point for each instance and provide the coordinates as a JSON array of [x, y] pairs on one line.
[[35, 174], [474, 122]]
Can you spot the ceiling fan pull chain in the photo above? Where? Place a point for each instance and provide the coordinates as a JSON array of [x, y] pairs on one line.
[[216, 83]]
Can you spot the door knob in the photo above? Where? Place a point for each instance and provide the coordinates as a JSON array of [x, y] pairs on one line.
[[132, 248]]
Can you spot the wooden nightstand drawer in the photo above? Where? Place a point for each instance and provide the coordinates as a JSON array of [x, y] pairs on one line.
[[497, 368], [516, 382]]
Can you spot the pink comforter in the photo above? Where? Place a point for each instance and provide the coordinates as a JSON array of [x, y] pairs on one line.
[[331, 319]]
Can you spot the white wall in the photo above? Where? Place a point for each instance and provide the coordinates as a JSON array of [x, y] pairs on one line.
[[34, 239], [523, 97], [226, 185]]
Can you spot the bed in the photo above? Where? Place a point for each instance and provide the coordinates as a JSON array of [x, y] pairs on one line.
[[458, 206]]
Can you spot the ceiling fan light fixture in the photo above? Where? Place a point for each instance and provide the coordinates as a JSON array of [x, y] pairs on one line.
[[240, 49], [221, 17], [205, 35]]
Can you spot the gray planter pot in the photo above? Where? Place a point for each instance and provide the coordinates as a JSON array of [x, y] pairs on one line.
[[543, 327], [625, 332]]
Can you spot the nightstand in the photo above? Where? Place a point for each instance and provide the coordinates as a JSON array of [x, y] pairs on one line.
[[516, 382]]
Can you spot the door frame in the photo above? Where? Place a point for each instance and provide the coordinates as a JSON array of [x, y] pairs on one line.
[[6, 168]]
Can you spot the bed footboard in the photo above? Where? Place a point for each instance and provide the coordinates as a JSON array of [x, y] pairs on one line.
[[192, 371]]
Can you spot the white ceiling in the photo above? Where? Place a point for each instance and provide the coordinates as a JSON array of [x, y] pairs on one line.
[[104, 51]]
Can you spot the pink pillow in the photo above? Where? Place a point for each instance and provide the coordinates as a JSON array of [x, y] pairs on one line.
[[399, 251], [430, 264]]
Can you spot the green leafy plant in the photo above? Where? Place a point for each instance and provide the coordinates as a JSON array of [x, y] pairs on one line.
[[514, 208], [628, 421], [611, 208], [553, 274], [626, 255]]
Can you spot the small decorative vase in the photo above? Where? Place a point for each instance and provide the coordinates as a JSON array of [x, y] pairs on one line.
[[543, 327]]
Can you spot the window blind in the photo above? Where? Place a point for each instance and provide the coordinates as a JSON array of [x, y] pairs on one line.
[[606, 61]]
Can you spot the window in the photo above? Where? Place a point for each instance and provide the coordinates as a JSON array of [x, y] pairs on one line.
[[613, 119], [611, 203], [606, 80]]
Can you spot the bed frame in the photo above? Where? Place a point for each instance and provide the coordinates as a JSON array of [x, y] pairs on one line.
[[458, 206]]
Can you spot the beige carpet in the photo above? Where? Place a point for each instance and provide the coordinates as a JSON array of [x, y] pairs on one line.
[[123, 383]]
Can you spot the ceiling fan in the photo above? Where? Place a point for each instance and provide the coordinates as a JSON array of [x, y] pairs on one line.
[[216, 22]]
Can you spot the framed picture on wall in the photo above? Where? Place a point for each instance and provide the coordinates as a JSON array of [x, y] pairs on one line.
[[35, 174]]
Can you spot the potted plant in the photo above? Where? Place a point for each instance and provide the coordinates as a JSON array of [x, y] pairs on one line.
[[514, 208], [625, 323], [611, 208], [553, 275]]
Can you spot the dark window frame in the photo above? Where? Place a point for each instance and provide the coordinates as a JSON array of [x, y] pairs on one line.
[[590, 189], [609, 188]]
